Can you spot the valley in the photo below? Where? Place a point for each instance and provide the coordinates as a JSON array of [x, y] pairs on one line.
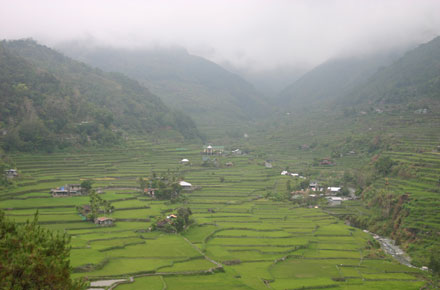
[[187, 177], [255, 242]]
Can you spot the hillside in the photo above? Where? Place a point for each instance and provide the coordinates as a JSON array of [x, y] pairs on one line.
[[49, 101], [332, 80], [412, 82], [383, 141], [201, 88]]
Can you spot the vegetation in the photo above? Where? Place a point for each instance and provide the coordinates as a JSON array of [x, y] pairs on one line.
[[211, 94], [174, 223], [98, 206], [49, 101], [33, 257], [166, 186]]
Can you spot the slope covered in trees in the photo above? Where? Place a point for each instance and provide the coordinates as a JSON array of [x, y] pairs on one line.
[[332, 80], [200, 87], [48, 101], [413, 81]]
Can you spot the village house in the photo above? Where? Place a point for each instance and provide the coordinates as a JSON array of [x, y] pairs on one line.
[[229, 164], [285, 172], [237, 152], [67, 190], [313, 186], [268, 164], [326, 161], [104, 221], [334, 200], [185, 185], [11, 173], [150, 191], [86, 209], [304, 147], [333, 190], [184, 161], [211, 150]]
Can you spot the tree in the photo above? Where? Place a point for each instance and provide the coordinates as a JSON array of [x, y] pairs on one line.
[[32, 257], [98, 206], [383, 165], [86, 185], [142, 183]]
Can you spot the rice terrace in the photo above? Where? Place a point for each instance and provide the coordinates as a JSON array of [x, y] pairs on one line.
[[239, 238]]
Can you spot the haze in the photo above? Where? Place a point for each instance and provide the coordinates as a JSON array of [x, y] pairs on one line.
[[253, 35]]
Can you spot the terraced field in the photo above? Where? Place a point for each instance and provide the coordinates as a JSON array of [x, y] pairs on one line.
[[239, 240]]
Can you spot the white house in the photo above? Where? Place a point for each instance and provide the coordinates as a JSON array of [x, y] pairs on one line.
[[333, 190], [284, 172], [334, 200], [185, 185], [184, 161], [11, 173]]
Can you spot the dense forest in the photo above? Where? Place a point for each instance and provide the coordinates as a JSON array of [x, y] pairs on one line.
[[49, 101]]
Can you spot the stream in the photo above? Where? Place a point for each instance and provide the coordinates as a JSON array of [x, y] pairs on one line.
[[389, 247]]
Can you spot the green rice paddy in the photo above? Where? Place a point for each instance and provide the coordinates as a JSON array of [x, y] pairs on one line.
[[260, 244]]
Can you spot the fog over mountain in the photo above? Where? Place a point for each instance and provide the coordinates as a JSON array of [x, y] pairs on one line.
[[250, 35]]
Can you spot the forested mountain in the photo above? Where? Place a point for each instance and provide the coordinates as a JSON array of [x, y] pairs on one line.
[[332, 80], [203, 89], [49, 100], [413, 80]]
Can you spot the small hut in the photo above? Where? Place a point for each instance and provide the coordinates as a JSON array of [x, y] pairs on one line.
[[104, 221]]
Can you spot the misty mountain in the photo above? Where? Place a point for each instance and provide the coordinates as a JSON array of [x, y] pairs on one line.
[[269, 82], [201, 88], [331, 80], [49, 100], [412, 81]]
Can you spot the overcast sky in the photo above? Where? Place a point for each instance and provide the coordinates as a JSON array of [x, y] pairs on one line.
[[256, 34]]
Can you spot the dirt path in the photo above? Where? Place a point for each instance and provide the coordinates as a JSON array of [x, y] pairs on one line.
[[201, 253]]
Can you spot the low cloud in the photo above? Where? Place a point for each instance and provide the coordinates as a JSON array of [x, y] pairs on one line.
[[249, 34]]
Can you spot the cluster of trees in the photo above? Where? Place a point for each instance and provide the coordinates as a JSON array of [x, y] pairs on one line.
[[166, 186], [32, 257], [174, 223], [98, 206]]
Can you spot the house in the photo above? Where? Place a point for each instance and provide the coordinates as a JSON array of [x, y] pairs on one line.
[[11, 173], [237, 152], [267, 164], [326, 161], [229, 164], [85, 210], [67, 190], [185, 185], [284, 172], [104, 221], [171, 216], [313, 186], [150, 191], [333, 190], [304, 147], [184, 161], [334, 200], [211, 150]]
